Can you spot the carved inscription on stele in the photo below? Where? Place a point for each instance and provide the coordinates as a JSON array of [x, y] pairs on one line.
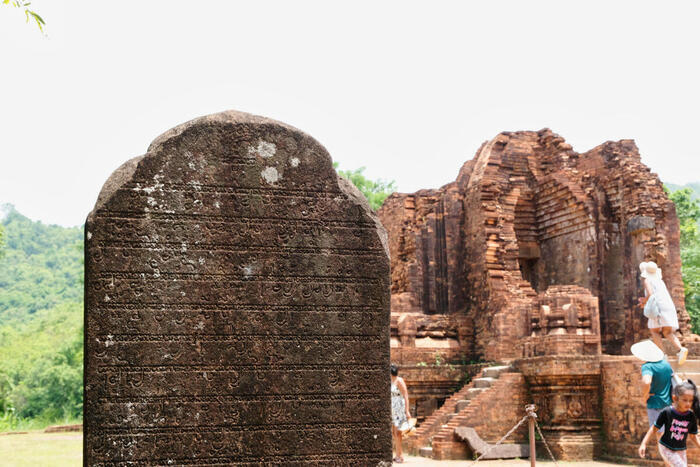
[[237, 305]]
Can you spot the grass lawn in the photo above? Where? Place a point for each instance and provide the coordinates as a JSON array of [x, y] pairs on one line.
[[39, 449]]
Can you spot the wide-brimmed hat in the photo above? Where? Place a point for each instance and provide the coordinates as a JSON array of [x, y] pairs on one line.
[[647, 351], [650, 270]]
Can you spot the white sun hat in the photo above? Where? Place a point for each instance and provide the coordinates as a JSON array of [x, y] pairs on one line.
[[650, 270], [647, 351]]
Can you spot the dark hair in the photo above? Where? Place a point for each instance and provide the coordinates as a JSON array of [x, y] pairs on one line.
[[394, 369], [689, 386]]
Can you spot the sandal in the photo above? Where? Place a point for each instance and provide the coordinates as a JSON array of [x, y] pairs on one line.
[[398, 460]]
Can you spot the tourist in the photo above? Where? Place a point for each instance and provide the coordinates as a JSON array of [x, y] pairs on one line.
[[666, 322], [400, 415], [657, 377], [679, 423]]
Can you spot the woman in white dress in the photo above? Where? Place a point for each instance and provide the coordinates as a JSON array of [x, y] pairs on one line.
[[400, 415], [666, 323]]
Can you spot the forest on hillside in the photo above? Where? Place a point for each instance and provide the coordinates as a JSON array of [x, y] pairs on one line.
[[41, 309], [41, 323]]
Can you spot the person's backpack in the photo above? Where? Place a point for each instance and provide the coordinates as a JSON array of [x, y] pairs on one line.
[[651, 308]]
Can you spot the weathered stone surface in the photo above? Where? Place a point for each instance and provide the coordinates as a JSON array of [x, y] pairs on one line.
[[566, 391], [566, 322], [236, 305], [461, 405], [62, 428], [638, 223], [474, 257], [480, 447]]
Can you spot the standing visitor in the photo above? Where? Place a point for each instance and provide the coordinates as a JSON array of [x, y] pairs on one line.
[[678, 423], [665, 323], [400, 414], [656, 378]]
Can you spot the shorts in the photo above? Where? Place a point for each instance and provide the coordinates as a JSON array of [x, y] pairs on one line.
[[675, 458]]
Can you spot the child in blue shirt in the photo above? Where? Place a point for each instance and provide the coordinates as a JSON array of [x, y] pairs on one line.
[[656, 378]]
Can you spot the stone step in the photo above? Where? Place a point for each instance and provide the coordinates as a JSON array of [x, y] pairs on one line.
[[426, 451], [463, 404], [449, 416], [495, 371], [473, 392], [483, 382]]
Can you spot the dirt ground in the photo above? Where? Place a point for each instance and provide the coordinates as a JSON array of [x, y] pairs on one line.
[[37, 449], [422, 461]]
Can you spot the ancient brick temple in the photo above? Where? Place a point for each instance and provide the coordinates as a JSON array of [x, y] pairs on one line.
[[532, 252]]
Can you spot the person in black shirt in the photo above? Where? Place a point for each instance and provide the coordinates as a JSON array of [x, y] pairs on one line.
[[679, 423]]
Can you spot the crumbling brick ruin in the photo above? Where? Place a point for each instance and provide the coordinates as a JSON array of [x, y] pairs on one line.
[[532, 252], [476, 257]]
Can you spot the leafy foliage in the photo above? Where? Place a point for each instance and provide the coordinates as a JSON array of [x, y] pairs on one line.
[[41, 267], [376, 191], [694, 188], [41, 323], [29, 14], [42, 366], [688, 211]]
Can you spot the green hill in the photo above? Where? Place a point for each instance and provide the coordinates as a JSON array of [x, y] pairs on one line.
[[41, 322], [41, 267]]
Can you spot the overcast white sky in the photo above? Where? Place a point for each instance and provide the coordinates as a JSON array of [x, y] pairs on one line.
[[409, 90]]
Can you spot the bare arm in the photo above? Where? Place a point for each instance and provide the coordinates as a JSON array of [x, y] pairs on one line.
[[646, 385], [643, 447], [404, 392]]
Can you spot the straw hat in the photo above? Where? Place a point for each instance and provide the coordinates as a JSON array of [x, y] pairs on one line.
[[650, 270], [647, 351]]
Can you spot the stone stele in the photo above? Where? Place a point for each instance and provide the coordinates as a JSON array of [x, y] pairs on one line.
[[236, 305]]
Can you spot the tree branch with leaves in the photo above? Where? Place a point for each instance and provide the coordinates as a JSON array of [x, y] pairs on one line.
[[376, 191], [688, 212], [28, 13]]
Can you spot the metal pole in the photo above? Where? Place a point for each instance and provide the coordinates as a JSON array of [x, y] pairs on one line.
[[531, 424], [530, 409]]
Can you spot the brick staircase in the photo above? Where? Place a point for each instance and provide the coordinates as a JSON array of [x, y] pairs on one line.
[[440, 425]]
